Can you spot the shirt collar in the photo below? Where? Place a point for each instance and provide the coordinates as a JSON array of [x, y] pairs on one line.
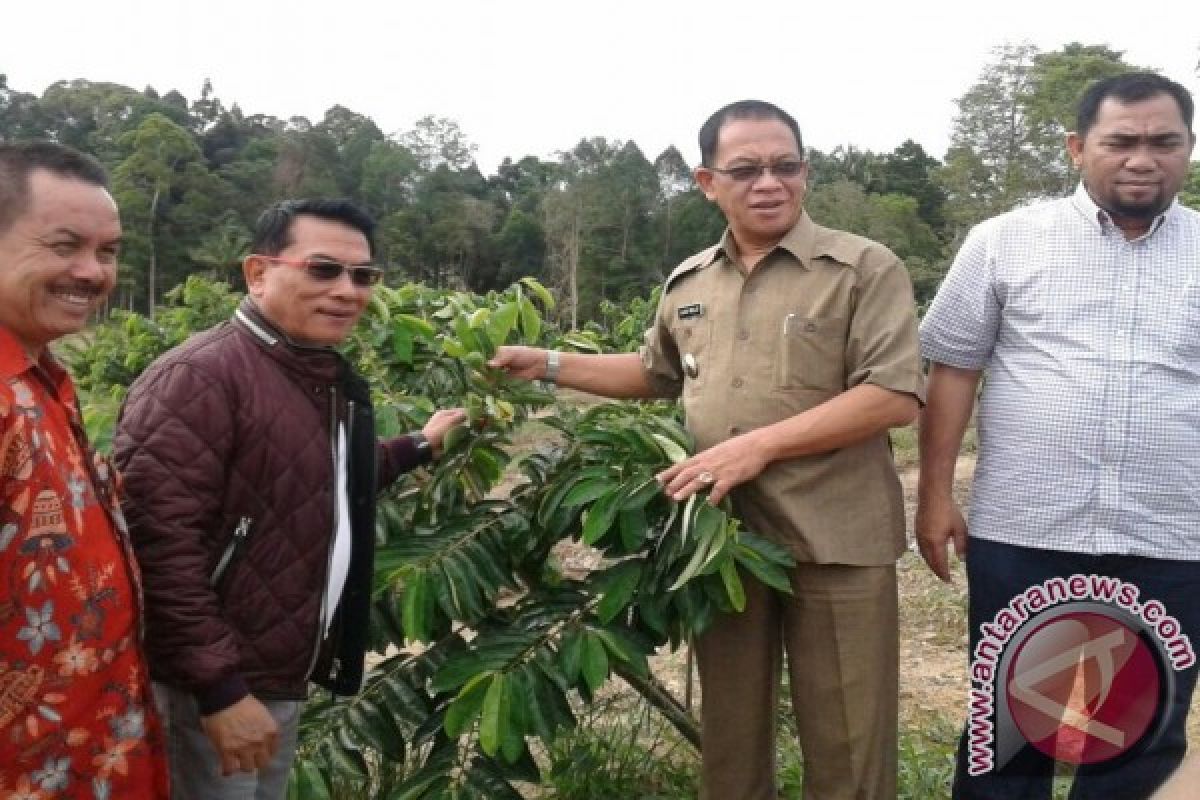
[[13, 358], [14, 361], [801, 242], [1102, 221]]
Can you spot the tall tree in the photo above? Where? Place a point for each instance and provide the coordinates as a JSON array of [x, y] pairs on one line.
[[1007, 145], [437, 141], [674, 179], [159, 155]]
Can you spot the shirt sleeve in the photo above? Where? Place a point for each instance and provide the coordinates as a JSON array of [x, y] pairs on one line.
[[881, 344], [660, 355], [960, 328]]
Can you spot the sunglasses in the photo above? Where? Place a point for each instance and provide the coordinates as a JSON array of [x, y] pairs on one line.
[[744, 173], [326, 269]]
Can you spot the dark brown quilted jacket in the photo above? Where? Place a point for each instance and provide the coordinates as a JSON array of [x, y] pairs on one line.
[[226, 451]]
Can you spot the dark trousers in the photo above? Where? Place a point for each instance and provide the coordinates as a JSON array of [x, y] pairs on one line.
[[998, 572]]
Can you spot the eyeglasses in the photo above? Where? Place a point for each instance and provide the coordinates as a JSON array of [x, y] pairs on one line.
[[745, 173], [326, 269]]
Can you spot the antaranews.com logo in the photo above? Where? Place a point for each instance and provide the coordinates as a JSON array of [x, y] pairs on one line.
[[1079, 667]]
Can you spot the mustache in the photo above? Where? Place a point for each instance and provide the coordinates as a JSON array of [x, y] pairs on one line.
[[84, 287]]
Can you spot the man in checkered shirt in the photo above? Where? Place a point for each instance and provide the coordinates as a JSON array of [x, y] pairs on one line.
[[1085, 313]]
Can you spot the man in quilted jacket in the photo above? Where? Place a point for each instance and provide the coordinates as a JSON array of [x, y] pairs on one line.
[[251, 468]]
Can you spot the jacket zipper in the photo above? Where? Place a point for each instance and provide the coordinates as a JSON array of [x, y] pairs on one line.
[[240, 534], [334, 430]]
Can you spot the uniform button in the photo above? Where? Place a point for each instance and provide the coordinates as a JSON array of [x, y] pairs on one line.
[[735, 430], [737, 383]]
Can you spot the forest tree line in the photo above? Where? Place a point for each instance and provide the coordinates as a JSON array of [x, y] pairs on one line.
[[601, 221]]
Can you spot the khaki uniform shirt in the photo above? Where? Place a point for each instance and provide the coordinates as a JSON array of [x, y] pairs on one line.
[[826, 311]]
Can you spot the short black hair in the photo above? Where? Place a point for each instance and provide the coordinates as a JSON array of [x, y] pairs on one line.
[[273, 231], [1130, 87], [18, 160], [742, 109]]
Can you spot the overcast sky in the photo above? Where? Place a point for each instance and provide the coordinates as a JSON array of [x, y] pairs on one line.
[[532, 77]]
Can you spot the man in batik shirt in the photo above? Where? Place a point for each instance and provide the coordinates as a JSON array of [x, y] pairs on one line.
[[76, 715]]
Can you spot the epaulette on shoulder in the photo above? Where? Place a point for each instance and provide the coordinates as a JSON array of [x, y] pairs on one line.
[[690, 264], [843, 247]]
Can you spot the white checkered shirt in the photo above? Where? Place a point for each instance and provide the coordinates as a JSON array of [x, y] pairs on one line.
[[1089, 421]]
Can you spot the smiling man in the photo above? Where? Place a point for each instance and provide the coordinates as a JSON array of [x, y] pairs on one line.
[[794, 350], [1085, 313], [251, 469], [76, 714]]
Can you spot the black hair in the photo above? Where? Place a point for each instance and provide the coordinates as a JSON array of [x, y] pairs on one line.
[[742, 109], [1130, 87], [18, 160], [273, 231]]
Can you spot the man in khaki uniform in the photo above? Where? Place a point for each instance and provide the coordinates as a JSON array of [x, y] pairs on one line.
[[794, 350]]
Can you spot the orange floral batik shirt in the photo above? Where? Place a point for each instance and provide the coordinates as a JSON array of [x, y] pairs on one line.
[[77, 718]]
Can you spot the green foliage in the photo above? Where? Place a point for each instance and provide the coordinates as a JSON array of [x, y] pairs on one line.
[[1190, 194]]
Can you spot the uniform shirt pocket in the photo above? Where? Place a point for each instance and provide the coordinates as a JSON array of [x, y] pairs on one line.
[[812, 353]]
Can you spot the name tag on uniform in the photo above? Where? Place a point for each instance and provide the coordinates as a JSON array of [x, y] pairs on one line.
[[694, 311]]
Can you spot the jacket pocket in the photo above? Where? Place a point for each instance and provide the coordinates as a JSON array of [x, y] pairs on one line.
[[233, 551], [812, 353]]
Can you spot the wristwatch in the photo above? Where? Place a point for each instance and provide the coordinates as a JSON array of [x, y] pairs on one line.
[[552, 365], [423, 447]]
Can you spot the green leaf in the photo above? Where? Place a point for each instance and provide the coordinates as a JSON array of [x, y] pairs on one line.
[[539, 290], [570, 656], [376, 728], [623, 649], [466, 706], [553, 499], [618, 587], [588, 490], [710, 538], [642, 494], [633, 527], [733, 585], [580, 342], [494, 715], [402, 344], [531, 322], [671, 449], [689, 517], [503, 320], [458, 670], [600, 517], [768, 573], [595, 662], [415, 610], [307, 782]]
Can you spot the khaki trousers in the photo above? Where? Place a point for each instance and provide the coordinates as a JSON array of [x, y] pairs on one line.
[[840, 632]]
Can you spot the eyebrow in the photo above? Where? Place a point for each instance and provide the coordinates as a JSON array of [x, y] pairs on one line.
[[777, 160], [327, 257], [1156, 138]]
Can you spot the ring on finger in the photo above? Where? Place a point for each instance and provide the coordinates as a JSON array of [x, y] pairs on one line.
[[706, 478]]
